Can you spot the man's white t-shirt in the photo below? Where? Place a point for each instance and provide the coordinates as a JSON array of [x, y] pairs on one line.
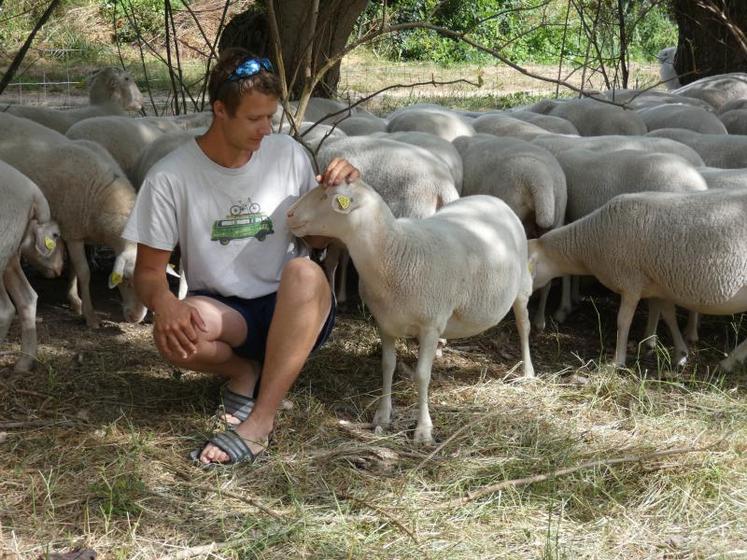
[[230, 223]]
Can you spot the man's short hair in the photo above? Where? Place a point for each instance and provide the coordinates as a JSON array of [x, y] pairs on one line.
[[221, 87]]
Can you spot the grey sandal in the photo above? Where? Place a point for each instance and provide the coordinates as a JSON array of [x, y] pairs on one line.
[[238, 406], [232, 444]]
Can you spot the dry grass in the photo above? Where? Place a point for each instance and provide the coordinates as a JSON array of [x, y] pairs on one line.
[[94, 443]]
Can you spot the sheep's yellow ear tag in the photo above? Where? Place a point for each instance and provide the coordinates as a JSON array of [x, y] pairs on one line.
[[343, 202], [49, 243], [115, 279], [530, 266]]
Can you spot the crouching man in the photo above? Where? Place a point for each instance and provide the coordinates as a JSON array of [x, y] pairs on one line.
[[257, 306]]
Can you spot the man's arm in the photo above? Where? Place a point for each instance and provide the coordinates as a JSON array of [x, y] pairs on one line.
[[174, 321]]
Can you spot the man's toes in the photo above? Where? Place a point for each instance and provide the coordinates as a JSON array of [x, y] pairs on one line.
[[212, 454]]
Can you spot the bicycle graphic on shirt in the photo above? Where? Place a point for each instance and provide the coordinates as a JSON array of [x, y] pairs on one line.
[[243, 220]]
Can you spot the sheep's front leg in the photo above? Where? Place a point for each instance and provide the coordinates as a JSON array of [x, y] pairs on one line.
[[521, 315], [654, 312], [24, 297], [427, 342], [628, 303], [383, 416], [669, 313], [77, 252]]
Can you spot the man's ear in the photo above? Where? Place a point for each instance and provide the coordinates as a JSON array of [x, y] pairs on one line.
[[342, 202]]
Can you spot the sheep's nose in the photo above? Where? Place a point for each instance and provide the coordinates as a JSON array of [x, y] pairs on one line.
[[289, 214]]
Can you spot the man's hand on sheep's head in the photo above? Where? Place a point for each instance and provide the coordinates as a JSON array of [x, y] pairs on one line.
[[337, 171]]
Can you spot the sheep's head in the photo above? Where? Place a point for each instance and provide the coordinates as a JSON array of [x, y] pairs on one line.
[[328, 211], [113, 85], [121, 277], [43, 248]]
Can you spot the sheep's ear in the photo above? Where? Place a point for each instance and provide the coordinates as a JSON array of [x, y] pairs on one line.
[[44, 244], [342, 203]]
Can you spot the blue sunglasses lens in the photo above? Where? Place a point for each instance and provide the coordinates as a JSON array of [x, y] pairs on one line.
[[250, 67]]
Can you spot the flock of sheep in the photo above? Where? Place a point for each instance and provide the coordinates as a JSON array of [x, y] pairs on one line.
[[645, 190]]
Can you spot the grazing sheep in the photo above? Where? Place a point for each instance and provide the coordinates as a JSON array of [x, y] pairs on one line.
[[442, 149], [89, 200], [733, 105], [592, 117], [667, 73], [641, 99], [361, 125], [717, 90], [506, 125], [735, 121], [559, 144], [686, 249], [315, 135], [557, 125], [727, 151], [111, 91], [123, 137], [526, 177], [452, 275], [436, 121], [594, 178], [330, 111], [682, 116], [718, 178], [25, 220], [156, 150]]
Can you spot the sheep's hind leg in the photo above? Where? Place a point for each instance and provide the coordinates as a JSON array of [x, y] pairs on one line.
[[628, 303], [680, 346], [521, 315], [566, 305], [7, 311], [383, 416], [691, 330], [539, 317], [426, 352], [77, 252], [24, 297]]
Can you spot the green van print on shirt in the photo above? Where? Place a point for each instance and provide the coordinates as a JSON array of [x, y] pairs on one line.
[[241, 226]]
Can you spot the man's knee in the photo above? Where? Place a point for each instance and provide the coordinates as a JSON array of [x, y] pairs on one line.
[[304, 276]]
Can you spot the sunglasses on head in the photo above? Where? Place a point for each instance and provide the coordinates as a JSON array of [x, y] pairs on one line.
[[250, 67]]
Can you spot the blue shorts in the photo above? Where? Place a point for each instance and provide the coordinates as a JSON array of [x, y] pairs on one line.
[[257, 314]]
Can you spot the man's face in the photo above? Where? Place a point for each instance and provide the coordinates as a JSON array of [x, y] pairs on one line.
[[251, 122]]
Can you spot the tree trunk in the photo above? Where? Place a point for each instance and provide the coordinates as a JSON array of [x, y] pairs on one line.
[[335, 22], [711, 37]]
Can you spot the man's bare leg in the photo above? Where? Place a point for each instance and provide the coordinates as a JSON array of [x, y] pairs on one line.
[[303, 303], [226, 328]]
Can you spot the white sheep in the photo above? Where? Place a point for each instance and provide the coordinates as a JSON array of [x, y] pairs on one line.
[[727, 151], [559, 144], [686, 249], [412, 181], [682, 116], [123, 137], [442, 149], [452, 275], [25, 220], [667, 73], [558, 125], [717, 90], [718, 178], [503, 125], [436, 121], [735, 121], [88, 199], [594, 178], [593, 117], [111, 91], [356, 125], [156, 150], [526, 177], [643, 98]]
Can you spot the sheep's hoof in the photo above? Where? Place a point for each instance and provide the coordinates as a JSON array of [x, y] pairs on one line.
[[92, 323], [539, 326], [423, 435], [24, 365], [382, 419]]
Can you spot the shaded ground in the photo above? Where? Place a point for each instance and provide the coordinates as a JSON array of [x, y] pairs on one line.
[[94, 442]]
